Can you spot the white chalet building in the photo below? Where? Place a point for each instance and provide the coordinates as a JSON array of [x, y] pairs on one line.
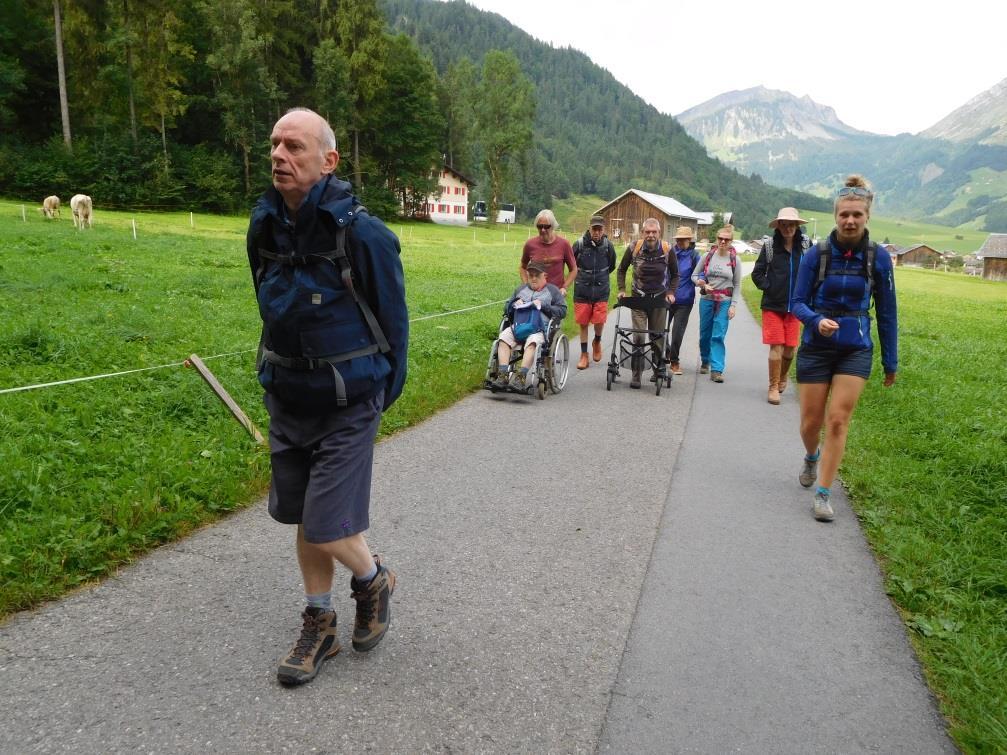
[[451, 205]]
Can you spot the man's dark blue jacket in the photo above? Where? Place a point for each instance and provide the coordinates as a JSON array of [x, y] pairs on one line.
[[373, 251]]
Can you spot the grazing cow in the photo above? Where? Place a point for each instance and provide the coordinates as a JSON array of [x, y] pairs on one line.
[[80, 205], [50, 206]]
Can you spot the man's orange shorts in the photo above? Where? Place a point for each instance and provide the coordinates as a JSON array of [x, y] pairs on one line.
[[590, 312], [780, 328]]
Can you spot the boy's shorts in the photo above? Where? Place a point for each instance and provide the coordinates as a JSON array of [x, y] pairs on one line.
[[507, 336], [818, 365], [590, 312], [780, 328]]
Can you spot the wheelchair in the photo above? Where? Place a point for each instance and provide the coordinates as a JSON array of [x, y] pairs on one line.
[[626, 351], [550, 370]]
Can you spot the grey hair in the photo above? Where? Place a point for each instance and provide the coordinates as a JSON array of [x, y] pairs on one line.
[[326, 136], [547, 215], [651, 221]]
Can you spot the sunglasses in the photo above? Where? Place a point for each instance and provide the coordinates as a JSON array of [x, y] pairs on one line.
[[857, 191], [721, 238], [543, 227]]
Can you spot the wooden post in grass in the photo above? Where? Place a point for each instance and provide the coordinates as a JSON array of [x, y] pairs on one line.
[[24, 218], [134, 228], [223, 395], [192, 223]]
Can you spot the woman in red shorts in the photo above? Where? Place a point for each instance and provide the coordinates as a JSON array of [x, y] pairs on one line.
[[775, 274]]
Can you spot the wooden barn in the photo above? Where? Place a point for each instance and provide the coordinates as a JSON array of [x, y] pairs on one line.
[[625, 214], [920, 255], [994, 256]]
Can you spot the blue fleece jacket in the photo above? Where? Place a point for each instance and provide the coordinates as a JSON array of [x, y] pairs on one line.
[[688, 258], [841, 292]]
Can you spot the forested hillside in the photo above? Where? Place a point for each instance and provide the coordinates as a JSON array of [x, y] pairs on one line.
[[169, 103], [592, 134]]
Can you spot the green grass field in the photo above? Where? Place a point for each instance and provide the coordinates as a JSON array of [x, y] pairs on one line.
[[97, 472], [926, 468]]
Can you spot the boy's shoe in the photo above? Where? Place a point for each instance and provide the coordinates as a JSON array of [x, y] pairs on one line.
[[374, 610], [704, 368], [676, 368], [822, 508], [316, 644], [596, 349], [717, 377], [809, 472], [583, 363]]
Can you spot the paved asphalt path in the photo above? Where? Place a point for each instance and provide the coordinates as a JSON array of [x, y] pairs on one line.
[[610, 571]]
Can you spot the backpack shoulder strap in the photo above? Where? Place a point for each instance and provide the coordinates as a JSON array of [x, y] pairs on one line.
[[637, 247], [734, 258], [824, 258], [346, 273], [768, 247], [869, 258], [706, 262]]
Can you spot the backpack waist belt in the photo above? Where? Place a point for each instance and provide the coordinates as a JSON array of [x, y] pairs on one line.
[[844, 313], [307, 363]]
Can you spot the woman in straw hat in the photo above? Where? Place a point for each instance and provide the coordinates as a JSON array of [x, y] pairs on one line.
[[837, 279], [775, 274], [685, 296]]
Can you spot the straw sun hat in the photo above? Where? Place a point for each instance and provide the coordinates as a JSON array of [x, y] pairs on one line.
[[787, 213]]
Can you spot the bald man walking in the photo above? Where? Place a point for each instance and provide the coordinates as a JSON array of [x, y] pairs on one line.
[[331, 294]]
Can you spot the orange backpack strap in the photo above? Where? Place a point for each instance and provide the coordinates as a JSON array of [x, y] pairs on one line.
[[637, 247]]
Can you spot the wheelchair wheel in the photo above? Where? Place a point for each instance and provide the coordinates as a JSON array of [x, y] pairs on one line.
[[540, 390], [658, 384], [609, 379], [492, 366], [558, 368]]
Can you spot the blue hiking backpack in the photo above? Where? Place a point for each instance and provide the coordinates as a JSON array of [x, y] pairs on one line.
[[527, 322], [319, 330]]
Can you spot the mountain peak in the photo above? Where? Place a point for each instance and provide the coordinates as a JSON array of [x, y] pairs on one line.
[[982, 119], [731, 121]]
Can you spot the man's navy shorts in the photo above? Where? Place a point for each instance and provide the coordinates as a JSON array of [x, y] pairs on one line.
[[816, 364], [325, 485]]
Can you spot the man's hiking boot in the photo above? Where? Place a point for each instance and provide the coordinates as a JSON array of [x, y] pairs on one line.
[[717, 377], [583, 363], [316, 644], [374, 610], [822, 508], [809, 472], [676, 368], [704, 368], [596, 349]]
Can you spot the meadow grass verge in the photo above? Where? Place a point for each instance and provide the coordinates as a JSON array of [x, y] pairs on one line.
[[926, 470], [94, 473]]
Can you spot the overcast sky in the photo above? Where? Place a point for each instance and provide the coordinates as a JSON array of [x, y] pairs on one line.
[[886, 66]]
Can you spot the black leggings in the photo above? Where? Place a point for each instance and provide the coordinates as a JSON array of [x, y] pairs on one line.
[[679, 320]]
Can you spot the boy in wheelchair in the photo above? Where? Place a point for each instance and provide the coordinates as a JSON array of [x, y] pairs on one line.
[[529, 312]]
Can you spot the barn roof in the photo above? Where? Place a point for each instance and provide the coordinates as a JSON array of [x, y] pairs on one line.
[[995, 245], [667, 205], [913, 248]]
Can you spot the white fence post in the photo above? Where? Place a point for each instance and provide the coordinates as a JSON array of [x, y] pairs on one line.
[[192, 223], [24, 218], [134, 229]]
